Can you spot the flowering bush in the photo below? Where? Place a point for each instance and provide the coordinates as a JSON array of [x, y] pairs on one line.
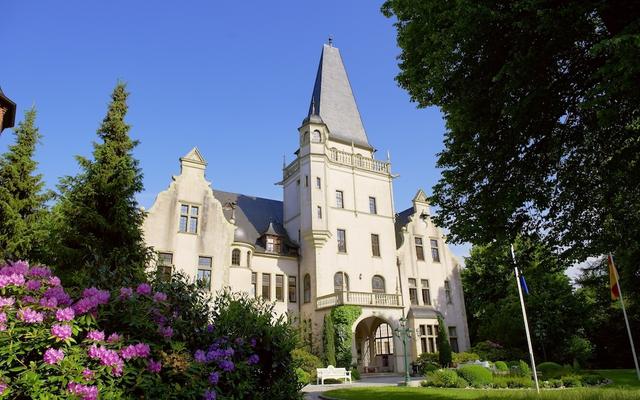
[[137, 342]]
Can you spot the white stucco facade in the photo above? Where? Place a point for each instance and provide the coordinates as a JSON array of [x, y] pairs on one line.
[[335, 238]]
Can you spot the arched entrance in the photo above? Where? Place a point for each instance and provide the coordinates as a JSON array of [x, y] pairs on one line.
[[375, 346]]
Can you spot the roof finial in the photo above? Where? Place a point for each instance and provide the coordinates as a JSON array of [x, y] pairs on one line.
[[330, 40]]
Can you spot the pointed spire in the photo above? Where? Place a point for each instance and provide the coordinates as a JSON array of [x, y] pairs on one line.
[[333, 100]]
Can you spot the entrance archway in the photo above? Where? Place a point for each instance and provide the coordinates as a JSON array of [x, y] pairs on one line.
[[375, 346]]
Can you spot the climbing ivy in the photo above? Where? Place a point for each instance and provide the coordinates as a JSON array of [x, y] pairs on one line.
[[343, 318]]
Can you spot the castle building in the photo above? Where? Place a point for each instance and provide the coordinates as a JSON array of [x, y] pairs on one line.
[[335, 238]]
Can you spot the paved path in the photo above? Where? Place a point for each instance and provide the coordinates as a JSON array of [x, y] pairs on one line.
[[312, 392]]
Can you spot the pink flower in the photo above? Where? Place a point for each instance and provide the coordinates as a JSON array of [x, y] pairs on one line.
[[62, 332], [53, 356], [134, 351], [154, 366], [3, 387], [3, 317], [113, 338], [13, 279], [97, 336], [125, 293], [65, 314], [54, 281], [165, 331], [107, 357], [88, 374], [59, 294], [85, 392], [43, 272], [159, 297], [49, 302], [18, 267], [7, 301], [29, 316], [33, 284], [144, 289]]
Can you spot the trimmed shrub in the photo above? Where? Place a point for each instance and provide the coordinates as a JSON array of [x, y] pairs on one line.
[[501, 366], [445, 378], [593, 379], [462, 383], [304, 378], [429, 367], [520, 368], [355, 374], [306, 361], [550, 370], [464, 357], [476, 375], [571, 381], [511, 382]]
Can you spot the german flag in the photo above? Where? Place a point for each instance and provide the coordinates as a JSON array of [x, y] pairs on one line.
[[613, 279]]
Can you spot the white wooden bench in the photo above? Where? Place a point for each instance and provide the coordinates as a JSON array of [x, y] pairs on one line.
[[332, 372]]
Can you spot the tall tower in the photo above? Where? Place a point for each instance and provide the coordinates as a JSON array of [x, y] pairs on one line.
[[338, 202]]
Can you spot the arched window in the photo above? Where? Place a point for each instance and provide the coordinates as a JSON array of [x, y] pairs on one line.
[[235, 257], [377, 284], [307, 288], [248, 259], [316, 137], [384, 339], [340, 282]]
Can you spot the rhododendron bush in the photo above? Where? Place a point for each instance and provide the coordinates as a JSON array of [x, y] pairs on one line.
[[135, 342]]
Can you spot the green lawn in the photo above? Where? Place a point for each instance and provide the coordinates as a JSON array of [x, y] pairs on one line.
[[625, 386]]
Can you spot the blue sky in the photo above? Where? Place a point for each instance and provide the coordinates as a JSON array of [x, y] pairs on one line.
[[233, 78]]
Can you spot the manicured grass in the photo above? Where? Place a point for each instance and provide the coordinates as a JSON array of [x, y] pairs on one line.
[[625, 386]]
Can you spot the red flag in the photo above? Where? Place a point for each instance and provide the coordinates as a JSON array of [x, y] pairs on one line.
[[613, 279]]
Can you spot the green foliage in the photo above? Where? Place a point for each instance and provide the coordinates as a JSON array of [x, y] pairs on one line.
[[444, 347], [511, 382], [329, 340], [97, 238], [445, 378], [306, 361], [571, 381], [304, 378], [23, 210], [355, 374], [550, 370], [580, 349], [464, 357], [501, 366], [493, 306], [238, 316], [477, 375], [343, 318], [520, 368]]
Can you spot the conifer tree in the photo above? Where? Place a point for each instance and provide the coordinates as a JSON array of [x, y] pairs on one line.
[[444, 347], [329, 340], [100, 229], [22, 199]]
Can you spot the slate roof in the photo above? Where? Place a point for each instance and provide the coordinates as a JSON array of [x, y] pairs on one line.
[[333, 100], [10, 115], [254, 216], [402, 219]]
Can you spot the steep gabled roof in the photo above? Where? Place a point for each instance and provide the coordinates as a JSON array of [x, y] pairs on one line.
[[333, 100]]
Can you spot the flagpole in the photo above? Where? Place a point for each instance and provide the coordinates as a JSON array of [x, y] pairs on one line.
[[626, 321], [526, 323]]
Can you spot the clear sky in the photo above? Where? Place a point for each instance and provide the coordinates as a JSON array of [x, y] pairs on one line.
[[233, 78]]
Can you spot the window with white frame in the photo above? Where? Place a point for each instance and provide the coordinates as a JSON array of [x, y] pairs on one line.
[[318, 183], [340, 282], [279, 287], [339, 199], [453, 339], [266, 286], [377, 284], [342, 241], [375, 245], [293, 289], [165, 266], [254, 284], [419, 249], [235, 257], [413, 291], [435, 252], [307, 288], [384, 339], [447, 292], [204, 272], [319, 212], [426, 292], [373, 208], [188, 218]]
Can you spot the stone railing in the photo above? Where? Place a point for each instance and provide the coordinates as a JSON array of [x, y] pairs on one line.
[[359, 161], [290, 169], [359, 298]]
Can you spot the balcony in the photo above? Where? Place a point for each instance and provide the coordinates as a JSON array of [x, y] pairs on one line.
[[359, 299]]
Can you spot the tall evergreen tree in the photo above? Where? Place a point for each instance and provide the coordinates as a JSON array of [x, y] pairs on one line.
[[100, 228], [22, 199], [444, 347]]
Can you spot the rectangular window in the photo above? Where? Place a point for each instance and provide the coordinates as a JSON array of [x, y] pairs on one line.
[[306, 180], [373, 208], [453, 339], [204, 272], [413, 291], [165, 266], [319, 212], [339, 199], [293, 289], [426, 292], [188, 218], [447, 292], [342, 241], [428, 338], [423, 345], [435, 253], [273, 244], [375, 245], [318, 183], [419, 249], [266, 286], [254, 284], [280, 287]]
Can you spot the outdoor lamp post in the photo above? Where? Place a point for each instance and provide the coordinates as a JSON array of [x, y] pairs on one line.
[[404, 333]]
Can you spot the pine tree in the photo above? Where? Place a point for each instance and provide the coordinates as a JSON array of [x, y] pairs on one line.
[[444, 347], [100, 228], [22, 199]]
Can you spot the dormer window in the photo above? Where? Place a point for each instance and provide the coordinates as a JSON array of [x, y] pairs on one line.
[[273, 244], [316, 136]]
